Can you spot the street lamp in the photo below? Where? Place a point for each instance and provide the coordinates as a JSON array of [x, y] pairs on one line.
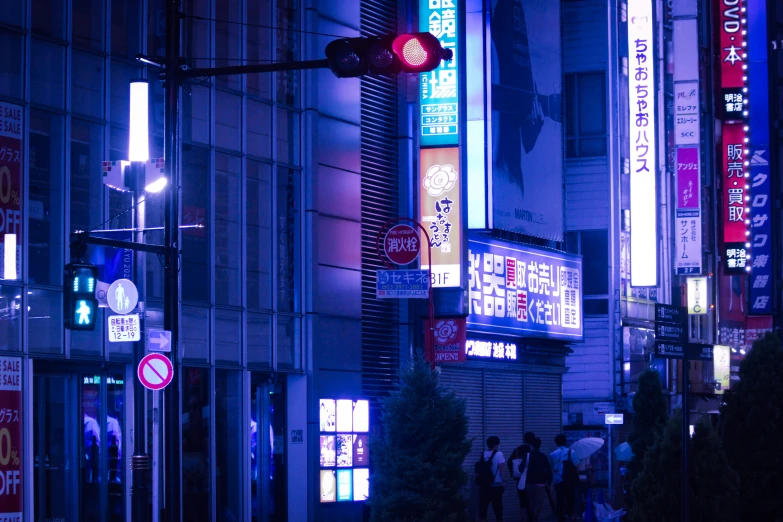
[[157, 185], [139, 155]]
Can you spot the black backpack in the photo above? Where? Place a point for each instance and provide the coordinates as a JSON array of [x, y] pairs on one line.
[[570, 473], [483, 468]]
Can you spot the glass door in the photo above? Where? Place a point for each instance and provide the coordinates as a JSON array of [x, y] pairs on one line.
[[78, 426], [267, 450]]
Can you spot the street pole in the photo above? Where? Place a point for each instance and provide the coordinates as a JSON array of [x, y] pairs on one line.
[[686, 437], [140, 461], [171, 274]]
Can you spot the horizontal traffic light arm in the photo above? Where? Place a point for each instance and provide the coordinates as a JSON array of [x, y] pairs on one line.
[[249, 69], [86, 239]]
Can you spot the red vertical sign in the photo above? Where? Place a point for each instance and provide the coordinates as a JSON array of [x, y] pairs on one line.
[[449, 336], [731, 43], [734, 182], [10, 186], [11, 438]]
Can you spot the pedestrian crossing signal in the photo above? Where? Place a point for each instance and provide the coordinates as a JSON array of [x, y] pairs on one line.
[[80, 304]]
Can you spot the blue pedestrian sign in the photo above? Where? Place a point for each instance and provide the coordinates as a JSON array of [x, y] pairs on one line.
[[159, 340], [613, 418], [402, 284]]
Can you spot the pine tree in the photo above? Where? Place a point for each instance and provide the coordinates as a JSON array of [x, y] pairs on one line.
[[657, 489], [418, 454], [649, 417], [752, 429], [714, 485]]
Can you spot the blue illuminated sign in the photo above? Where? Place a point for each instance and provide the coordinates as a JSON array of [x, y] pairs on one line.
[[438, 94], [525, 292]]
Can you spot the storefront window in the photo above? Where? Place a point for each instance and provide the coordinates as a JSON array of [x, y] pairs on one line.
[[10, 318], [196, 483], [228, 444], [46, 198], [45, 321]]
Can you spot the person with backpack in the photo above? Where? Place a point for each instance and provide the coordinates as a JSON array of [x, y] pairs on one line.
[[539, 476], [565, 477], [517, 463], [491, 480]]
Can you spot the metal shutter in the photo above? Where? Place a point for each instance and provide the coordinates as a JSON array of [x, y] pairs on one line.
[[379, 200], [469, 385], [503, 417]]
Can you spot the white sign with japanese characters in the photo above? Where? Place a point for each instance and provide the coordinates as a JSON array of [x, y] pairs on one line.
[[124, 328], [686, 113]]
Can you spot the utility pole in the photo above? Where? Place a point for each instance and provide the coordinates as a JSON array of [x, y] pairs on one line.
[[172, 423], [686, 437]]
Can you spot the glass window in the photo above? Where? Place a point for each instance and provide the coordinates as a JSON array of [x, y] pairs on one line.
[[195, 118], [153, 210], [267, 449], [195, 33], [125, 28], [259, 123], [13, 13], [48, 17], [228, 120], [11, 63], [228, 335], [585, 115], [259, 235], [287, 40], [86, 176], [195, 333], [121, 75], [118, 143], [87, 84], [156, 27], [45, 321], [227, 33], [195, 211], [259, 339], [46, 78], [196, 417], [88, 23], [46, 198], [259, 46], [228, 209], [228, 444], [10, 318], [12, 190], [595, 261], [287, 136], [287, 343], [91, 343], [287, 239]]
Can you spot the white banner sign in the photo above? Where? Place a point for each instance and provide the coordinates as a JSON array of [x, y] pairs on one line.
[[686, 113]]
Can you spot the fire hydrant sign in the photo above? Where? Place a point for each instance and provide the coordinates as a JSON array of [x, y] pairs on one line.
[[11, 439], [124, 328], [401, 244]]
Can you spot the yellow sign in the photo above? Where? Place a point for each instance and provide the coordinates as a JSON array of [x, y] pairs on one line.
[[440, 212], [697, 296], [721, 367]]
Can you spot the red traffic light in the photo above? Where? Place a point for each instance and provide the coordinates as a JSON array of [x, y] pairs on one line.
[[420, 52]]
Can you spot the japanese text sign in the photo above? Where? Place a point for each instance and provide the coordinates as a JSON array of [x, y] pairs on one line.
[[402, 284], [449, 336], [496, 350], [440, 212], [688, 245], [730, 41], [525, 292], [11, 197], [643, 191], [721, 367], [11, 417], [124, 328], [734, 203], [438, 93], [401, 244], [686, 113], [698, 301], [688, 178]]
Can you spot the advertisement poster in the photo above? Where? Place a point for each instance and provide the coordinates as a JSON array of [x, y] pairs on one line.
[[517, 290], [328, 454], [344, 415], [721, 367], [328, 486], [11, 437], [11, 196], [361, 450], [327, 415], [440, 211], [527, 130], [361, 415], [449, 336], [344, 489], [688, 246], [361, 484], [344, 451], [341, 453], [438, 93]]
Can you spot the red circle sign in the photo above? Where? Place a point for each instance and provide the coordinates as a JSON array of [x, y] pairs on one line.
[[155, 371], [402, 244]]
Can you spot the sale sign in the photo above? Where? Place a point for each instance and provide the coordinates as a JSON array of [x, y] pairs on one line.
[[11, 132], [10, 438]]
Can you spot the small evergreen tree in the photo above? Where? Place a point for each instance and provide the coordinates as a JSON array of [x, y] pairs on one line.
[[714, 485], [419, 451], [649, 417], [657, 489], [752, 429]]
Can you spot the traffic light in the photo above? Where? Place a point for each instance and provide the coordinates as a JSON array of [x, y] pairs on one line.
[[81, 306], [410, 53]]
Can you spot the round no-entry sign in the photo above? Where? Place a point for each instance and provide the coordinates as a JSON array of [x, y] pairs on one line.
[[402, 244], [155, 371]]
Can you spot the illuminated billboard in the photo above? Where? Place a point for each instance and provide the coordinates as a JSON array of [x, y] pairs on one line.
[[344, 452]]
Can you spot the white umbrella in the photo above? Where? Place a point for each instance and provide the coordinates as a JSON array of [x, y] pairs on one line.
[[583, 448]]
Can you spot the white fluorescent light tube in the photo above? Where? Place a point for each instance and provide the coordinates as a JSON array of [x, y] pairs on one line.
[[9, 257], [138, 145]]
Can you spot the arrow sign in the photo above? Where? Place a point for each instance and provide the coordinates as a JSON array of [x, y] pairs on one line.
[[159, 341], [613, 418]]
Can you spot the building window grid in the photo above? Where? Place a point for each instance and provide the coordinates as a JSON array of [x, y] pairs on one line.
[[108, 121], [585, 136]]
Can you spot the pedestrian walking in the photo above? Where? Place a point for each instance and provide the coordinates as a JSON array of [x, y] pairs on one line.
[[517, 463], [491, 480], [539, 476], [565, 477]]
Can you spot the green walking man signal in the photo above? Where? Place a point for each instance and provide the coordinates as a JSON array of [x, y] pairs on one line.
[[80, 306]]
